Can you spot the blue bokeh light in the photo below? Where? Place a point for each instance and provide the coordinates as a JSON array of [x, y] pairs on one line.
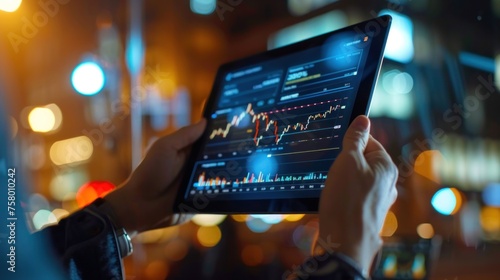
[[444, 201], [268, 219], [491, 195], [399, 45], [257, 225], [88, 78], [203, 7]]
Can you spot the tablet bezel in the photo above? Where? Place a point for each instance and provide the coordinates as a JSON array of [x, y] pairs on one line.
[[378, 28]]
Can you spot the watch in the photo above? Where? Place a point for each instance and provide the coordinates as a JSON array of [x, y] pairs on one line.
[[123, 239]]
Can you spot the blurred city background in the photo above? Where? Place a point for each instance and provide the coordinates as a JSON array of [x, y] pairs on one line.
[[90, 84]]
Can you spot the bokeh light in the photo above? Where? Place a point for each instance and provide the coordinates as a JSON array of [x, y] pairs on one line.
[[470, 225], [427, 165], [37, 202], [470, 163], [158, 235], [490, 219], [402, 83], [203, 7], [67, 182], [41, 119], [397, 82], [293, 217], [157, 270], [399, 45], [390, 225], [252, 255], [10, 5], [240, 218], [425, 231], [42, 218], [209, 236], [91, 191], [60, 213], [71, 151], [390, 266], [447, 201], [269, 219], [491, 195], [391, 97], [176, 249], [88, 78], [58, 117], [388, 80], [207, 220], [257, 225], [418, 266], [303, 235]]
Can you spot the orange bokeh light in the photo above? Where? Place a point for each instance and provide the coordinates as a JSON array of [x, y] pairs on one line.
[[252, 255], [428, 163]]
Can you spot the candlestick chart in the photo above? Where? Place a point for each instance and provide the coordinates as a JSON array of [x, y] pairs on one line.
[[273, 126]]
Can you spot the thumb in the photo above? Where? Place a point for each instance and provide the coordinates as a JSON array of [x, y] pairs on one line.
[[357, 135], [187, 135]]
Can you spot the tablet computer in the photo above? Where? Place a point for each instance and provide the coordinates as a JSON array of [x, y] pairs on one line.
[[276, 121]]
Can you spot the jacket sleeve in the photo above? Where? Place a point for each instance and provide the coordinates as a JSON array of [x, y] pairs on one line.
[[87, 245]]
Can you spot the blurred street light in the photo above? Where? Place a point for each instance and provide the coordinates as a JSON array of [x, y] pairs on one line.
[[88, 78], [10, 5]]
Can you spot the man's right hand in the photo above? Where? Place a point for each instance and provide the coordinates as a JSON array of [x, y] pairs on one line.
[[359, 190]]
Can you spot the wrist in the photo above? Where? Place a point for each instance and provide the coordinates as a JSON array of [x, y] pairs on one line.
[[329, 265], [360, 249], [123, 239], [122, 216]]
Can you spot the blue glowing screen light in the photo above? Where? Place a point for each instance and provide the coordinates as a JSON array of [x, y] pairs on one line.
[[444, 201], [491, 195], [88, 78], [203, 7], [399, 45]]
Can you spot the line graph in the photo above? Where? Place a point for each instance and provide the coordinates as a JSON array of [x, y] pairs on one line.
[[297, 126], [234, 122], [273, 123]]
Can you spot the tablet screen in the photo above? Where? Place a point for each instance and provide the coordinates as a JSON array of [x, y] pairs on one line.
[[276, 121]]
